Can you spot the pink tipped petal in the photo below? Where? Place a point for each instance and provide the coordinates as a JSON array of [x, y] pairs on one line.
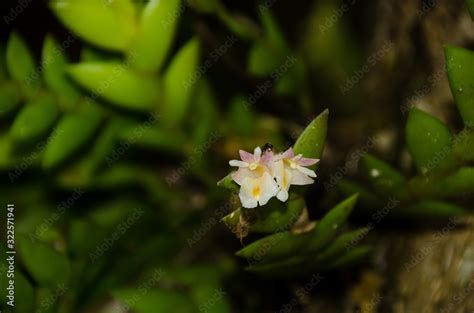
[[238, 163], [307, 161], [267, 157], [246, 156], [299, 178], [306, 171], [288, 154]]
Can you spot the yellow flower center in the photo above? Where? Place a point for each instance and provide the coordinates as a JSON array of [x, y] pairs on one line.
[[253, 166], [256, 192], [291, 163]]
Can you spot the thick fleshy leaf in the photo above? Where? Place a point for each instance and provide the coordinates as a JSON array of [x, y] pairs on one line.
[[155, 34], [178, 83], [228, 183], [271, 218], [35, 120], [9, 98], [107, 24], [20, 62], [430, 209], [328, 227], [72, 133], [460, 65], [284, 244], [204, 111], [342, 243], [118, 84], [428, 139], [201, 295], [273, 247], [458, 184], [155, 300], [381, 175], [352, 257], [304, 263], [273, 31], [311, 142], [45, 265], [54, 70]]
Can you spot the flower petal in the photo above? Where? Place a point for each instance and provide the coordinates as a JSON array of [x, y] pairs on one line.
[[269, 188], [238, 163], [299, 178], [257, 152], [307, 161], [306, 171], [246, 156], [246, 193], [241, 174], [282, 195], [288, 154]]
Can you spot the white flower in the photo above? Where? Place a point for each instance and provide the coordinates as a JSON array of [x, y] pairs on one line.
[[252, 165], [263, 176], [289, 170], [255, 177], [257, 191]]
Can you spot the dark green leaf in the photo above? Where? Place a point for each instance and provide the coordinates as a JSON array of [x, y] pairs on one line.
[[381, 175], [20, 63], [327, 228], [54, 70], [46, 266], [179, 84], [311, 142], [228, 183], [428, 140], [35, 120], [430, 209], [459, 63], [9, 98], [72, 132]]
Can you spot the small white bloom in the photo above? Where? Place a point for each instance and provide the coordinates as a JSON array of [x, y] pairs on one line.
[[290, 170], [257, 191], [252, 165]]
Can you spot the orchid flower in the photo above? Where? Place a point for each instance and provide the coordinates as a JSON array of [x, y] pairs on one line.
[[262, 176], [290, 170]]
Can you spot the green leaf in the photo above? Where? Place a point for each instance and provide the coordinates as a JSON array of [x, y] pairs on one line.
[[273, 247], [430, 209], [178, 83], [118, 84], [242, 117], [470, 6], [9, 98], [381, 175], [327, 228], [367, 198], [228, 183], [461, 182], [273, 31], [54, 70], [262, 59], [460, 65], [352, 257], [155, 34], [107, 24], [273, 217], [155, 301], [46, 266], [210, 299], [204, 111], [20, 62], [344, 242], [311, 142], [22, 287], [72, 132], [428, 139], [34, 120]]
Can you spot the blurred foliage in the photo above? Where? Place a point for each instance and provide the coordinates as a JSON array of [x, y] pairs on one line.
[[111, 154]]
